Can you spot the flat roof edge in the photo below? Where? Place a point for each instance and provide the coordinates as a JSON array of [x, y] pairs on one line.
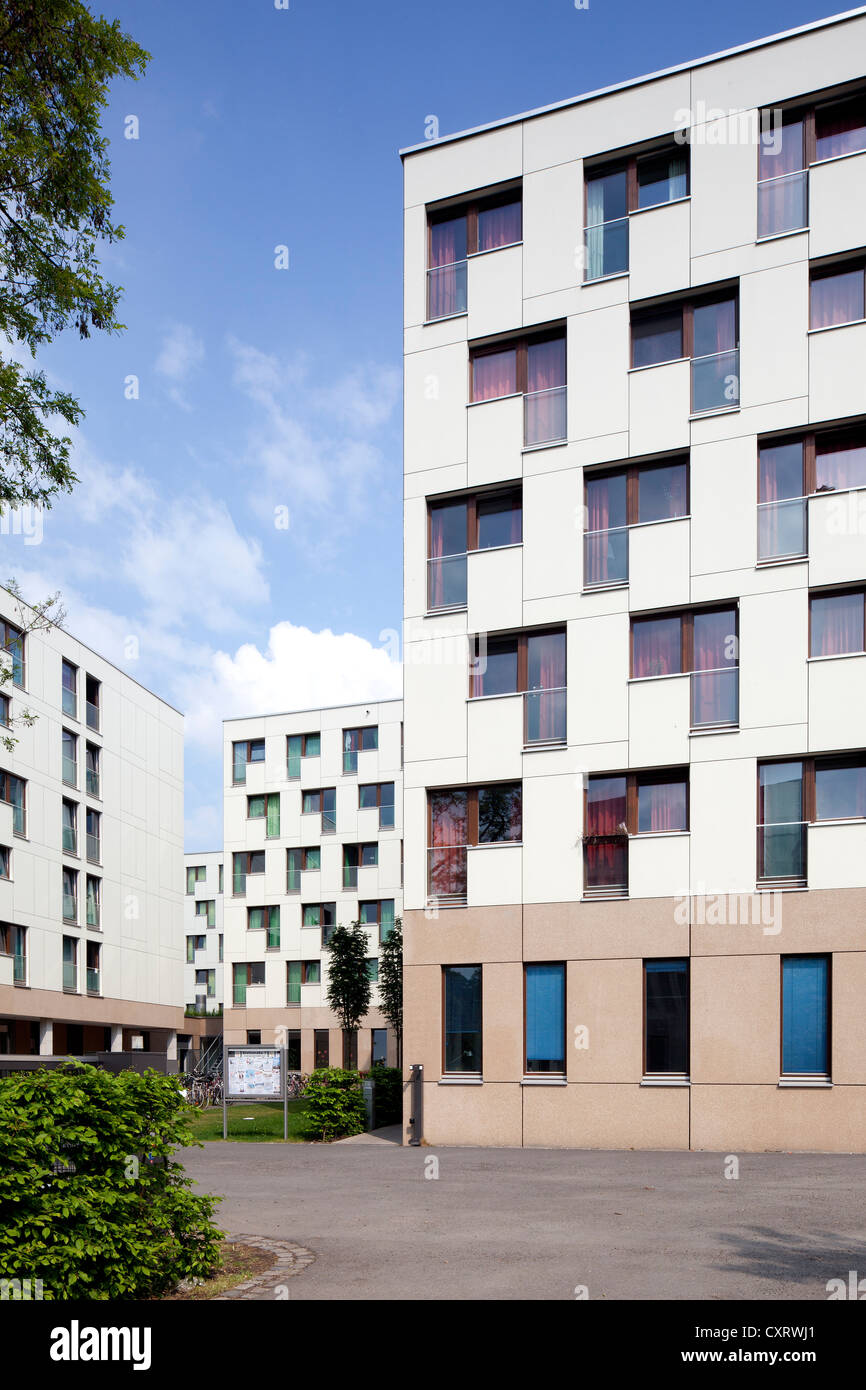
[[813, 25], [315, 709]]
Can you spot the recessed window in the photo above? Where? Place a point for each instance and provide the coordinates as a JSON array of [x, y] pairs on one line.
[[837, 294], [378, 913], [454, 233], [243, 865], [245, 974], [93, 828], [13, 942], [706, 330], [69, 826], [625, 497], [356, 741], [195, 873], [321, 1047], [5, 861], [796, 792], [613, 191], [70, 895], [806, 1016], [836, 623], [323, 803], [206, 909], [465, 816], [533, 663], [787, 149], [13, 790], [544, 994], [70, 965], [461, 989], [266, 808], [265, 919], [321, 915], [69, 745], [300, 746], [91, 769], [378, 796], [69, 685], [94, 902], [300, 861], [666, 1018], [373, 969], [93, 703], [475, 521], [791, 470], [355, 857], [533, 367], [621, 805], [243, 753], [12, 643], [704, 643]]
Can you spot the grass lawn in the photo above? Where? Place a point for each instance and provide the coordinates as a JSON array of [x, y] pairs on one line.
[[260, 1121]]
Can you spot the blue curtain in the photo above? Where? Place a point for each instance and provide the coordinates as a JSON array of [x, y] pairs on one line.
[[804, 1014], [545, 1018]]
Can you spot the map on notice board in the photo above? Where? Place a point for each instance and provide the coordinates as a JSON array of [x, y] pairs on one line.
[[253, 1074]]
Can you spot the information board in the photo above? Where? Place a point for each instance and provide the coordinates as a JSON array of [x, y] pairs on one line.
[[254, 1073]]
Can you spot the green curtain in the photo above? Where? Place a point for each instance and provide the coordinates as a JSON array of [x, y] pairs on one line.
[[273, 813], [274, 926], [293, 995]]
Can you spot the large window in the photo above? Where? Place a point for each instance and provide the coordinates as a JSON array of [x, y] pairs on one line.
[[93, 829], [804, 137], [837, 293], [796, 792], [70, 965], [13, 942], [246, 973], [69, 679], [533, 367], [300, 861], [321, 1047], [70, 895], [380, 913], [266, 808], [789, 471], [322, 803], [703, 643], [301, 746], [620, 805], [13, 790], [69, 826], [321, 915], [69, 746], [477, 521], [666, 1018], [806, 1016], [356, 741], [455, 233], [243, 865], [91, 769], [378, 795], [613, 191], [94, 902], [465, 816], [93, 703], [706, 330], [265, 919], [837, 622], [195, 873], [529, 662], [461, 988], [623, 497], [544, 993], [357, 857], [243, 753], [12, 643]]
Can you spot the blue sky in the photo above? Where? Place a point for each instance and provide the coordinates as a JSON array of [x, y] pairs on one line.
[[267, 393]]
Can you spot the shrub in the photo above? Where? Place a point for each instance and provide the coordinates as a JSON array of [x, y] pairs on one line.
[[335, 1104], [91, 1200], [388, 1096]]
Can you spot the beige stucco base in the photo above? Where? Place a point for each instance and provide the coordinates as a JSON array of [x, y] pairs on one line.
[[734, 1102]]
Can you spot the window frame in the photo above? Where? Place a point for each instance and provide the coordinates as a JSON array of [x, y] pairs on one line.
[[320, 811], [520, 344], [470, 208], [686, 304], [811, 764], [378, 806], [472, 841], [687, 635], [445, 968], [800, 1075], [9, 635], [668, 1075], [541, 1076], [837, 591], [826, 269], [290, 777], [248, 761]]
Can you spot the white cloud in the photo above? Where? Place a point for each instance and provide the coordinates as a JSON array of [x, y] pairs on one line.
[[181, 352], [299, 669]]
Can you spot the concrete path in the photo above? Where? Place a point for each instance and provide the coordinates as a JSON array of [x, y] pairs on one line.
[[384, 1221], [388, 1134]]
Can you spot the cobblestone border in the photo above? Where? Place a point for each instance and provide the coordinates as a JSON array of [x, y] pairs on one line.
[[290, 1259]]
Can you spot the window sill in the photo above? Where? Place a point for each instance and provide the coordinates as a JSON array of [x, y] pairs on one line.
[[489, 250], [602, 279], [780, 236], [711, 414], [511, 396], [835, 158], [828, 327], [446, 318], [460, 1081], [762, 886], [605, 898], [716, 729], [648, 366], [544, 1081], [782, 560], [497, 844], [661, 835], [485, 549], [665, 1081], [796, 1083], [836, 656], [551, 746], [545, 444], [605, 588], [443, 612], [840, 820]]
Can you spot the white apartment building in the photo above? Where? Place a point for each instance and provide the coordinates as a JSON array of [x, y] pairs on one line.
[[203, 987], [313, 840], [91, 852], [635, 577]]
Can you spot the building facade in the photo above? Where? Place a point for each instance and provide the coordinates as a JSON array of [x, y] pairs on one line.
[[203, 976], [313, 840], [635, 567], [91, 852]]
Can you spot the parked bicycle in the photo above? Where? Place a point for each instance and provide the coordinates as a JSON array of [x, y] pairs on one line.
[[296, 1085]]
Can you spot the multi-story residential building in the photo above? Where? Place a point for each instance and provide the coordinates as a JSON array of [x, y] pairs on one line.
[[91, 852], [313, 840], [203, 946], [635, 566]]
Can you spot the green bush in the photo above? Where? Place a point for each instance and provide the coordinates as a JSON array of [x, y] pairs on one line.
[[388, 1094], [335, 1104], [91, 1200]]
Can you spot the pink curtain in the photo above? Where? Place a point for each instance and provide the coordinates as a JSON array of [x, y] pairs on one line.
[[494, 374], [606, 863], [840, 129], [715, 327], [837, 298], [436, 577], [781, 149], [661, 806], [837, 624], [605, 507], [780, 477], [447, 248], [657, 646], [500, 226], [449, 833], [713, 694], [840, 465], [546, 663]]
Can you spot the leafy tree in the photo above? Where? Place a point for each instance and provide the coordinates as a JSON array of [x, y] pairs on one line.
[[92, 1201], [348, 975], [391, 982], [56, 63], [334, 1104], [34, 617]]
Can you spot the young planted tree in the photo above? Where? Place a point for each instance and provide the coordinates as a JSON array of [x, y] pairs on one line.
[[391, 982], [349, 976], [56, 63]]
